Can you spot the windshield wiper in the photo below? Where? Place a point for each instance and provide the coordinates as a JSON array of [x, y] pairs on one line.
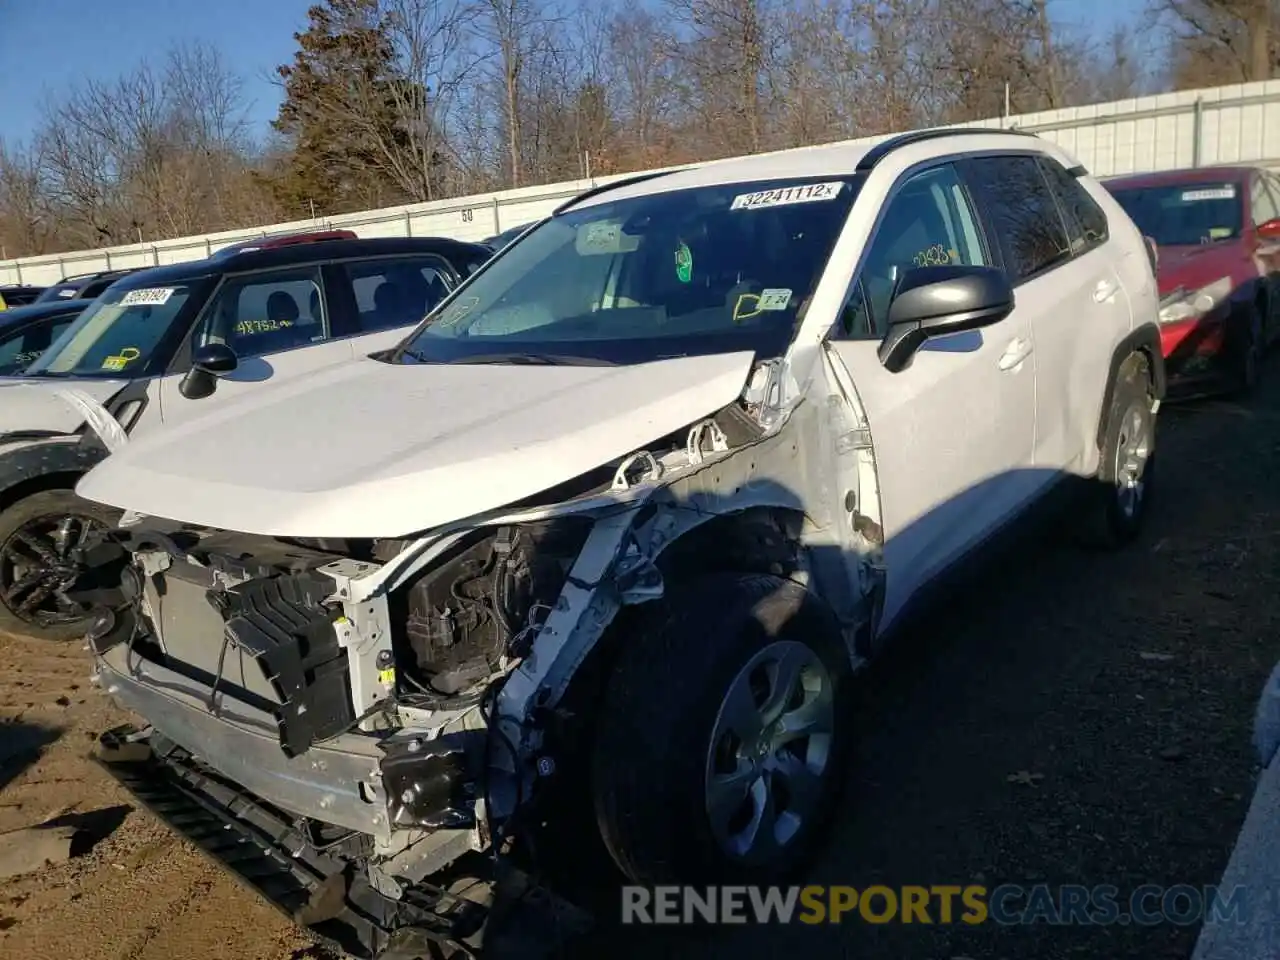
[[541, 359]]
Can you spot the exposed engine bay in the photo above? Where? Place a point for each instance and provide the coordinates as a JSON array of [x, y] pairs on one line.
[[381, 716]]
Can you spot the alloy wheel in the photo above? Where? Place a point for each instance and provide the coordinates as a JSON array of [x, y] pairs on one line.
[[770, 751], [39, 568]]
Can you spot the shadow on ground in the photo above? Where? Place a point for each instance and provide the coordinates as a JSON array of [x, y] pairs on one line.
[[1067, 718], [21, 744]]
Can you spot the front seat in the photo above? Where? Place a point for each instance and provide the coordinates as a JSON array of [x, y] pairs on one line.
[[282, 309], [286, 332], [389, 307]]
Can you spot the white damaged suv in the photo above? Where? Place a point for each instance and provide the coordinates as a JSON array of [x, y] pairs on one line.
[[621, 517]]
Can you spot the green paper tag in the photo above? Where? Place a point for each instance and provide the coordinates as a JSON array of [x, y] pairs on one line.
[[684, 263]]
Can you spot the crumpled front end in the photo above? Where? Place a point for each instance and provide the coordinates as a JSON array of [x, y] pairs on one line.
[[303, 743], [387, 719]]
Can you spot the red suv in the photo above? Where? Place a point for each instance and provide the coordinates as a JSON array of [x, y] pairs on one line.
[[1217, 236]]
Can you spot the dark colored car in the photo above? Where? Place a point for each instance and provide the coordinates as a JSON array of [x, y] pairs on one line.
[[500, 240], [18, 295], [84, 286], [26, 332], [1217, 236], [169, 343], [283, 240]]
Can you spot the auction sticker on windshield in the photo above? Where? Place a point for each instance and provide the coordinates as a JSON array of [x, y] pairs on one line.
[[148, 295], [782, 196], [1214, 193]]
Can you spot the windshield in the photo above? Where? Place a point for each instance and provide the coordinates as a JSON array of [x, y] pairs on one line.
[[119, 332], [60, 291], [703, 270], [1184, 214]]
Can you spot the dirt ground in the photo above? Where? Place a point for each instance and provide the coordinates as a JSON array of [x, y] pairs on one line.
[[1123, 685]]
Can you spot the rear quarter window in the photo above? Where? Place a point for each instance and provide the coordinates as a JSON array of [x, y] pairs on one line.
[[1086, 221]]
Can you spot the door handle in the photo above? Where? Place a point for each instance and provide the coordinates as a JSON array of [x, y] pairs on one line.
[[1019, 349], [1104, 291]]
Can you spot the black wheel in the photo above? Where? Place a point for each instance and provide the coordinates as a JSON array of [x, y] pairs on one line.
[[1116, 504], [1249, 353], [39, 575], [719, 749]]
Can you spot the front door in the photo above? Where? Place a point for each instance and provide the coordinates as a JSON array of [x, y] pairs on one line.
[[277, 322], [953, 432]]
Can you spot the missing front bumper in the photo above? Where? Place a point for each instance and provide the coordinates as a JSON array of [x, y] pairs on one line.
[[264, 849], [491, 912]]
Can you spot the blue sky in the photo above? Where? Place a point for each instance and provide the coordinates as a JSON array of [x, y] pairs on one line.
[[47, 46], [51, 45]]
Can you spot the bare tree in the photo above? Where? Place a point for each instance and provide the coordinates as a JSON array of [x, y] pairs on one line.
[[641, 81], [1221, 41], [517, 31]]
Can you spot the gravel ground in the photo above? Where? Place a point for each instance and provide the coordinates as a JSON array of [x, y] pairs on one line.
[[1138, 768]]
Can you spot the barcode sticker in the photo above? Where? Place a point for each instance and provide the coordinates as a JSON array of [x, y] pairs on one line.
[[148, 295]]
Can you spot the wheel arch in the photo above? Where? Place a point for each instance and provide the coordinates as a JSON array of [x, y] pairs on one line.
[[47, 465], [1144, 340], [760, 538]]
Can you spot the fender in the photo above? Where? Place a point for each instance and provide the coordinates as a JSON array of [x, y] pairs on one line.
[[1144, 338], [41, 454], [44, 458]]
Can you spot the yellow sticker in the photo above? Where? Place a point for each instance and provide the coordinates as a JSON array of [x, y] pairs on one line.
[[457, 311], [122, 359], [247, 328], [1217, 233], [935, 256], [738, 314], [388, 676]]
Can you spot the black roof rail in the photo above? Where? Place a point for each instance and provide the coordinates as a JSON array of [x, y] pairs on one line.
[[596, 191], [886, 147]]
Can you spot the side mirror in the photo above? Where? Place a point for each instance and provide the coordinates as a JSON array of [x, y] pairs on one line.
[[209, 362], [1153, 253], [1269, 229], [935, 301]]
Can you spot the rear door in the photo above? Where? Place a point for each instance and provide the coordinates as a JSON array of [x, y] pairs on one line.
[[1057, 257], [277, 321]]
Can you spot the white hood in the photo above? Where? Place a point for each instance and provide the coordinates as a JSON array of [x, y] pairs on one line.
[[369, 449], [39, 404]]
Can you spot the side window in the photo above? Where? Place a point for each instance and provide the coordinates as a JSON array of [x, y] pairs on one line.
[[13, 351], [21, 348], [928, 222], [264, 313], [1022, 212], [396, 292], [1085, 220], [1262, 203]]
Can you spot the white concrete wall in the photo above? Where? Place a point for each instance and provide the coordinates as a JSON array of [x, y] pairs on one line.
[[1233, 124]]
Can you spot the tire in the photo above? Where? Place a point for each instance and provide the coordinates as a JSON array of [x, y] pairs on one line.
[[653, 761], [1114, 508], [1248, 363], [35, 519]]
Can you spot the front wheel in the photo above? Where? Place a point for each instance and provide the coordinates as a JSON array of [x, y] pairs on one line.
[[720, 744], [41, 576]]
